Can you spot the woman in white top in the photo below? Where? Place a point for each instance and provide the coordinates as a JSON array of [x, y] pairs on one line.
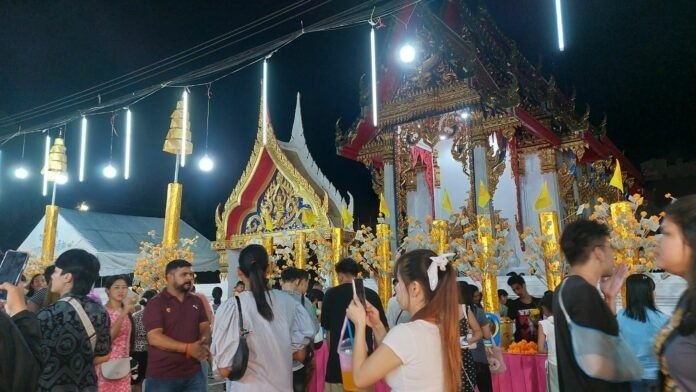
[[547, 342], [421, 355], [278, 326]]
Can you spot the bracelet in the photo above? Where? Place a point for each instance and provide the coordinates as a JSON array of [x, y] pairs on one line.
[[186, 350]]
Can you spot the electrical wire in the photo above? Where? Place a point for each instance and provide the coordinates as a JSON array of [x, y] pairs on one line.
[[348, 18]]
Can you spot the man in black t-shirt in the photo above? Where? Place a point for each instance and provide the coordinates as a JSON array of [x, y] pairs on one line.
[[333, 311], [525, 310], [586, 247]]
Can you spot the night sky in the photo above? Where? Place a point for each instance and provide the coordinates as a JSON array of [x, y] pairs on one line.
[[636, 61]]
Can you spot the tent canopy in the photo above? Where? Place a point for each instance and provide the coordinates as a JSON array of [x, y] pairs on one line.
[[115, 239]]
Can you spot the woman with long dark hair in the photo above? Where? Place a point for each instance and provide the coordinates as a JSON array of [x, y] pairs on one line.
[[119, 308], [639, 322], [277, 324], [675, 344], [468, 294], [423, 354], [469, 336]]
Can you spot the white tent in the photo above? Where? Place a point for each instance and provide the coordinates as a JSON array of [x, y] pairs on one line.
[[115, 239]]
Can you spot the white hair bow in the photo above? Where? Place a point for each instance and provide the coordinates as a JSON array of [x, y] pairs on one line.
[[438, 262]]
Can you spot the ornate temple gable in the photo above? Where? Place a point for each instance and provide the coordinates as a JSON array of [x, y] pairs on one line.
[[298, 153], [269, 177]]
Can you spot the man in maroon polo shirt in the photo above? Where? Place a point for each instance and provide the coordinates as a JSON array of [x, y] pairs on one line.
[[178, 333]]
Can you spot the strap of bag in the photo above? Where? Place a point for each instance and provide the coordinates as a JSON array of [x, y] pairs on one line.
[[399, 316], [86, 323], [242, 331], [560, 301]]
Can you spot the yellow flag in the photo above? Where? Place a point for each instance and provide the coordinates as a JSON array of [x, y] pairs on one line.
[[346, 216], [617, 179], [484, 197], [446, 203], [383, 207], [308, 217], [543, 201]]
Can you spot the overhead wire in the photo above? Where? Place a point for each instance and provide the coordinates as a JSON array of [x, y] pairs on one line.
[[160, 63], [344, 19]]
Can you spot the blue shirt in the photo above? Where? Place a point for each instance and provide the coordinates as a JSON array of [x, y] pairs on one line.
[[641, 337]]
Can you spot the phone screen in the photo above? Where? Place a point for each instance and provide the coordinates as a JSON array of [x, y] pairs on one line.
[[11, 269], [359, 289]]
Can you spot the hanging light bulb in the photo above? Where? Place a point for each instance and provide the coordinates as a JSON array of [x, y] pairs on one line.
[[21, 173], [109, 171], [407, 53], [62, 179], [206, 164]]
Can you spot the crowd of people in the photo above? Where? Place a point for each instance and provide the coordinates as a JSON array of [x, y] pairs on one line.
[[434, 336]]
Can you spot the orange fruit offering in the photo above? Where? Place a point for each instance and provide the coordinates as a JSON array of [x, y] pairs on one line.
[[523, 347]]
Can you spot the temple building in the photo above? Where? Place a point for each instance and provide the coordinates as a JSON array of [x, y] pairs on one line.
[[471, 115]]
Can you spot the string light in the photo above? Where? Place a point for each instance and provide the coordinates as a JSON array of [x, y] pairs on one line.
[[373, 61], [83, 149], [206, 164], [127, 156], [45, 170], [21, 172], [264, 95], [109, 170], [184, 128], [559, 25]]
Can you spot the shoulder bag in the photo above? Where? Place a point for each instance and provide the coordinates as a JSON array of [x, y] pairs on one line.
[[241, 356], [601, 355], [114, 369]]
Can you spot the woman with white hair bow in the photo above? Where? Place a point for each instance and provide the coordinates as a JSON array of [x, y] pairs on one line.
[[423, 354]]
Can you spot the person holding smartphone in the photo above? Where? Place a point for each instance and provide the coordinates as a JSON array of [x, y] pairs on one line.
[[333, 313], [19, 343]]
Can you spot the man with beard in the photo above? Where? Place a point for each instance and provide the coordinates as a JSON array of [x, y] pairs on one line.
[[178, 333]]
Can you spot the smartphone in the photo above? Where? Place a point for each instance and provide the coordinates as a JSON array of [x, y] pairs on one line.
[[11, 269], [359, 289]]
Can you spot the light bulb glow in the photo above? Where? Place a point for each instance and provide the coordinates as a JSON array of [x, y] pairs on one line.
[[184, 128], [45, 169], [21, 173], [407, 53], [373, 63], [264, 94], [206, 164], [83, 149], [109, 171], [559, 26], [465, 115], [127, 154], [62, 179], [83, 207]]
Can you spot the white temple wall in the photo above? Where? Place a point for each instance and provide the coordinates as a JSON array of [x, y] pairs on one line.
[[505, 200], [452, 178], [419, 202]]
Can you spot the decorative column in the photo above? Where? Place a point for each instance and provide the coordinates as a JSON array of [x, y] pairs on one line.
[[49, 236], [384, 262], [439, 233], [172, 214], [337, 252], [621, 216], [300, 250], [268, 244], [548, 222], [489, 280], [390, 193], [224, 265]]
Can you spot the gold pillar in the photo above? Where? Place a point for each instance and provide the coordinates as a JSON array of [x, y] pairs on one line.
[[268, 244], [48, 247], [384, 259], [300, 250], [548, 222], [489, 283], [172, 214], [224, 265], [621, 214], [337, 252], [439, 232]]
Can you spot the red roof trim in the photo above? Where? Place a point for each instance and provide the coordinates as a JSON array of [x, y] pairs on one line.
[[257, 185], [537, 127]]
